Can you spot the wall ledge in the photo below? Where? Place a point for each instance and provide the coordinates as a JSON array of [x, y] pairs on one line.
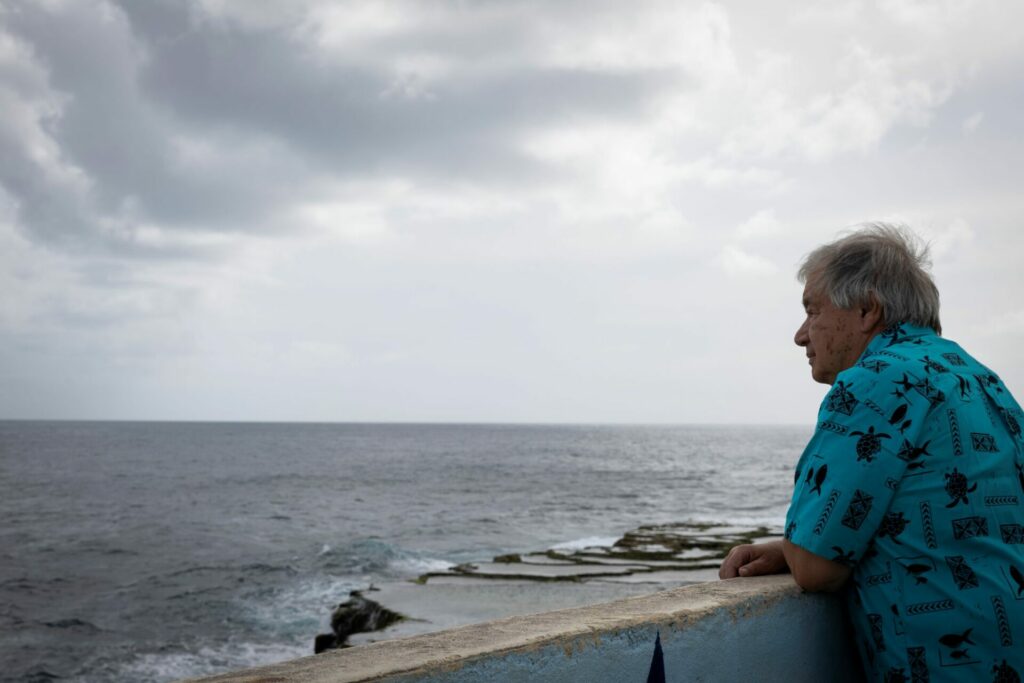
[[553, 645]]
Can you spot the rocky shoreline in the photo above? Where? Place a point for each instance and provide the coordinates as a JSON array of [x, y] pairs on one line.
[[644, 560]]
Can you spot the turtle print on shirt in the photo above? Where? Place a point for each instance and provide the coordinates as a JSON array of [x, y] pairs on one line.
[[923, 463]]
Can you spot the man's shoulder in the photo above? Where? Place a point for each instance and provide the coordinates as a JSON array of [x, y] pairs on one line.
[[928, 367], [873, 383], [902, 373], [883, 365], [924, 355]]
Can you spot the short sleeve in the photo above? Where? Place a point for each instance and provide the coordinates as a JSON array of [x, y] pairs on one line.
[[865, 441]]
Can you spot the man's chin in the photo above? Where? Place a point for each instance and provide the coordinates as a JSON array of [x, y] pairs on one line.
[[822, 379]]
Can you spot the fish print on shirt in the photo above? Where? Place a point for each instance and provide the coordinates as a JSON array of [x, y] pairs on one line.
[[906, 487]]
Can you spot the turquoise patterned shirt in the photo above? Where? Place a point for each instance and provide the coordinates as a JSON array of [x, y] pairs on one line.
[[915, 478]]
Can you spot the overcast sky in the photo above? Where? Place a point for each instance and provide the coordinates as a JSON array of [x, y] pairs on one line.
[[483, 211]]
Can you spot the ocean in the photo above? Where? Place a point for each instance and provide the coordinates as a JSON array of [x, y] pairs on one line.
[[156, 551]]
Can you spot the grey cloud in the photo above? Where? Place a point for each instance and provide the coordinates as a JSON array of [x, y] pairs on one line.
[[121, 141], [269, 82], [143, 76]]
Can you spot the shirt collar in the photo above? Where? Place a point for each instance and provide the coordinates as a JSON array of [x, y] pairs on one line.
[[897, 333]]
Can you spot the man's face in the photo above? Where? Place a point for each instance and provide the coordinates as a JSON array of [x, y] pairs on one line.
[[831, 336]]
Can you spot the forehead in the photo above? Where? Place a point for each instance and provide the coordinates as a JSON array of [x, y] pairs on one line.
[[813, 293]]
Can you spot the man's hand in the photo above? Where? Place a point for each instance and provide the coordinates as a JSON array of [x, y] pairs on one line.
[[754, 560]]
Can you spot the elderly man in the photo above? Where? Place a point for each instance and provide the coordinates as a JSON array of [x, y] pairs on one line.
[[910, 495]]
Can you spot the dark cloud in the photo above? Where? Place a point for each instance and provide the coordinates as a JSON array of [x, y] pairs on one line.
[[167, 119], [121, 142], [269, 81]]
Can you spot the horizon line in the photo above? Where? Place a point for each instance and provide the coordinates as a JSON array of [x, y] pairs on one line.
[[581, 423]]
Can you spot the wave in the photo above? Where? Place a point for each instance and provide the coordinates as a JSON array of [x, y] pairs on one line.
[[295, 611], [415, 566], [769, 518], [78, 624], [29, 585], [254, 568], [373, 557], [160, 667], [37, 675], [587, 542]]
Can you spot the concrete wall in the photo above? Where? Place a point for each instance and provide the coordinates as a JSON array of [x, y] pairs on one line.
[[759, 629]]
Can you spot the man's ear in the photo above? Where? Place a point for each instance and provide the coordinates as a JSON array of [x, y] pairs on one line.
[[872, 317]]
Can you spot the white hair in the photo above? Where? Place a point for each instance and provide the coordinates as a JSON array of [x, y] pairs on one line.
[[877, 260]]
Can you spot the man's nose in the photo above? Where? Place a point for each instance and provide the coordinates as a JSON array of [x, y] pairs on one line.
[[801, 338]]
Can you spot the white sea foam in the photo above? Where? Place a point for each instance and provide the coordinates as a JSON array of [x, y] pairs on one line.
[[419, 565], [771, 519], [288, 617], [298, 611], [588, 542], [173, 666]]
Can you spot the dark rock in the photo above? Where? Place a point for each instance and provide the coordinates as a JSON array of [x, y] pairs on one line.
[[359, 615], [509, 559], [324, 641], [355, 615]]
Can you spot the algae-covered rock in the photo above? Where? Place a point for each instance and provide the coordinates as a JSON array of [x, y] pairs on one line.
[[511, 558], [669, 540], [651, 553]]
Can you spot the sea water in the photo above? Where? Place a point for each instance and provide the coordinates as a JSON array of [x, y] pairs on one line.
[[156, 551]]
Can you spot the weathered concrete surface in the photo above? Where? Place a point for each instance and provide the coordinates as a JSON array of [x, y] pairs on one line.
[[761, 629]]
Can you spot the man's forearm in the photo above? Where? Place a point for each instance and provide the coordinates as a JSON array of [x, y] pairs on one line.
[[813, 572]]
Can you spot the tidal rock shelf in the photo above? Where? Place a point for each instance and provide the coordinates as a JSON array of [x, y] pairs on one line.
[[661, 551], [645, 560]]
